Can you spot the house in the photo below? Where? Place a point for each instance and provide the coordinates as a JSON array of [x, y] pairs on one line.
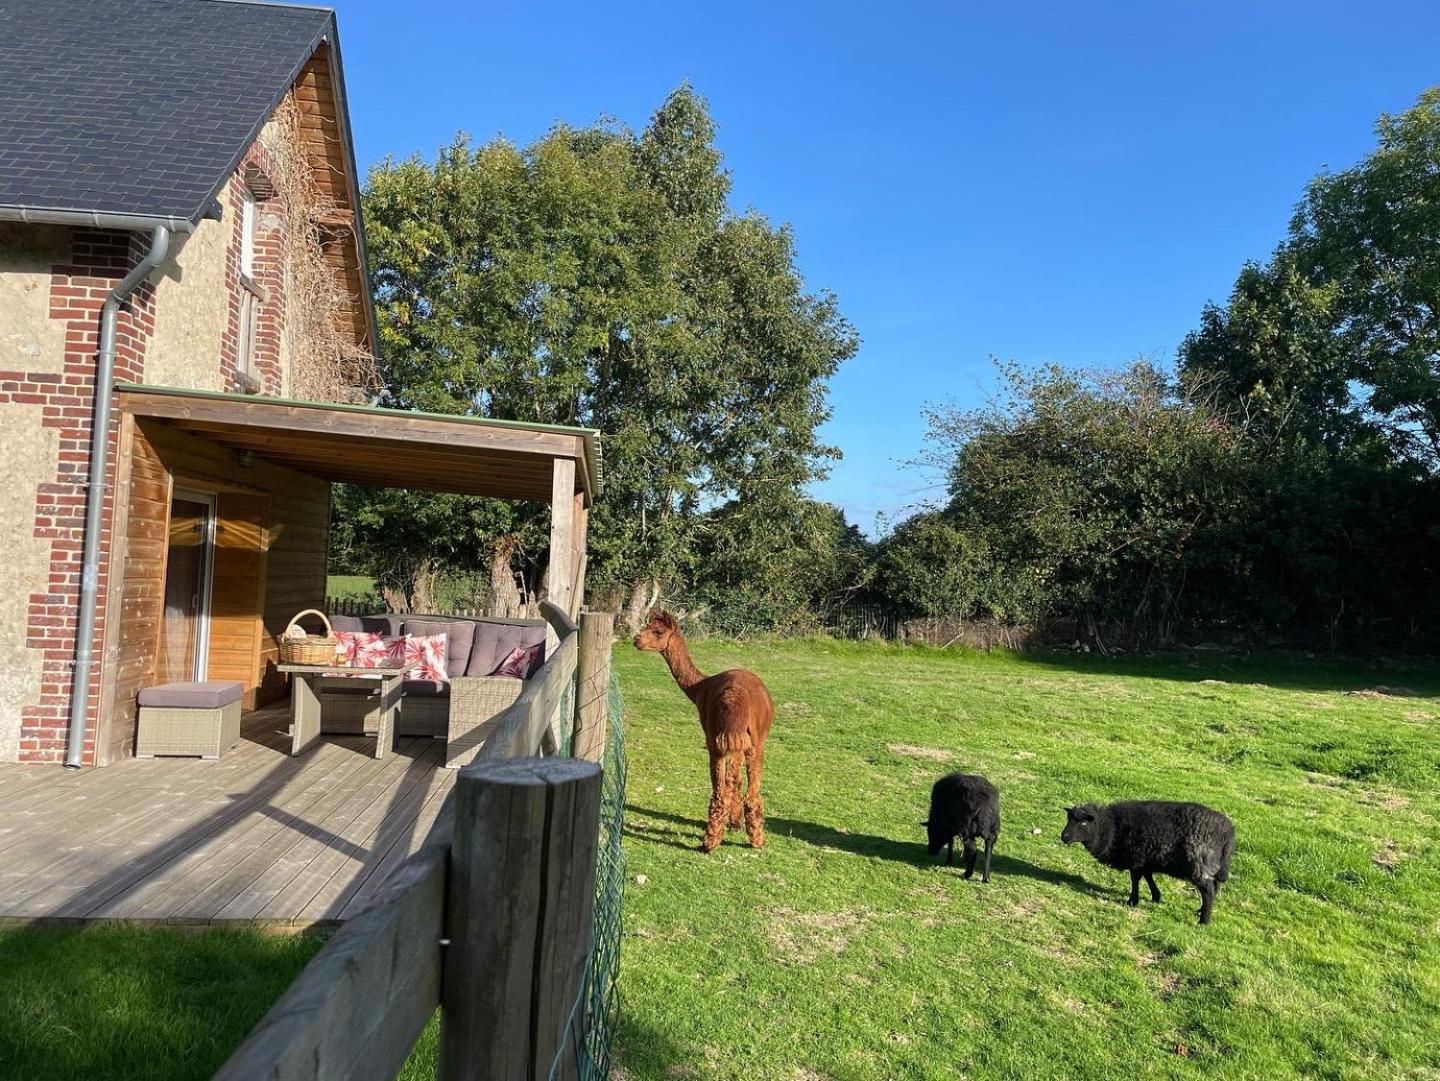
[[186, 344]]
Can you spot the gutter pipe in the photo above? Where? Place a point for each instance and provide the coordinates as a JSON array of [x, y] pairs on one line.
[[95, 219], [95, 481]]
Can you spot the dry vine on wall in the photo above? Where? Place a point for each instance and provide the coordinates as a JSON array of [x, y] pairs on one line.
[[326, 363]]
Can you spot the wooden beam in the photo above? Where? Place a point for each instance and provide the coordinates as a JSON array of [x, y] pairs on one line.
[[112, 744], [579, 542], [363, 1000], [592, 685], [219, 415], [560, 576]]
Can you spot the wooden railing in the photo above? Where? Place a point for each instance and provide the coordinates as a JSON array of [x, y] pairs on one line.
[[489, 920]]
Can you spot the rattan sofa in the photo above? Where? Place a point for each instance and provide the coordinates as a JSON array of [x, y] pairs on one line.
[[461, 711]]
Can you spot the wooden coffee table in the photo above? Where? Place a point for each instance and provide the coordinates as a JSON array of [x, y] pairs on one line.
[[306, 722]]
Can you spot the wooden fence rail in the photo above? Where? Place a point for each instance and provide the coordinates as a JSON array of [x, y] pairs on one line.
[[489, 920]]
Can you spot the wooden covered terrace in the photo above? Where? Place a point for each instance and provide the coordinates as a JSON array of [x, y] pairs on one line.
[[256, 837]]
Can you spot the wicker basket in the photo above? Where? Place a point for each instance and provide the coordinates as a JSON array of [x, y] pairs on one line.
[[310, 649]]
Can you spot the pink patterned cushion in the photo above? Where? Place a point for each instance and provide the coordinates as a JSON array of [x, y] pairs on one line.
[[362, 649], [521, 662], [423, 654]]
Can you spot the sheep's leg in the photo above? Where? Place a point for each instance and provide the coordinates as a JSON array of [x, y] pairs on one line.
[[1154, 889], [1206, 886], [754, 809], [989, 844], [969, 856], [950, 853], [1134, 889], [733, 820], [715, 821]]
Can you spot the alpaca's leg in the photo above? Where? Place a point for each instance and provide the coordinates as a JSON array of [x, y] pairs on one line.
[[733, 789], [754, 810], [715, 821]]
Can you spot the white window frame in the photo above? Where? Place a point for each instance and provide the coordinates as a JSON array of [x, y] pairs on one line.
[[251, 294], [247, 233]]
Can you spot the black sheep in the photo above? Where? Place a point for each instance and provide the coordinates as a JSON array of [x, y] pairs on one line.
[[1184, 840], [968, 806]]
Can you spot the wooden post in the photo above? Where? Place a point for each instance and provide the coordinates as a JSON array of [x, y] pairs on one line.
[[522, 890], [579, 541], [592, 685], [560, 575]]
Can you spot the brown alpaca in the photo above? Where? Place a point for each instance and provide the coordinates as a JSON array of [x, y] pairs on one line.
[[735, 714]]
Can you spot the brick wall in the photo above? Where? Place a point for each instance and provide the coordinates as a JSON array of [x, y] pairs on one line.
[[98, 260], [254, 174]]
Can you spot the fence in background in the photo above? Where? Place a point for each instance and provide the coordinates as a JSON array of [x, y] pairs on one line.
[[351, 606], [862, 621], [507, 919]]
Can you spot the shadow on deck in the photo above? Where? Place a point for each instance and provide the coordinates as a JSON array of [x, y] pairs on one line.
[[256, 837]]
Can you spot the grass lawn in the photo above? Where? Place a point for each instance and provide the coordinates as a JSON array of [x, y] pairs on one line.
[[350, 587], [841, 951], [121, 1003]]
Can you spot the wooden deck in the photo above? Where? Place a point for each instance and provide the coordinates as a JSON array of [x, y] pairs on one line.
[[255, 837]]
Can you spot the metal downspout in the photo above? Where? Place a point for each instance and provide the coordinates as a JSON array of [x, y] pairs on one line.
[[95, 492]]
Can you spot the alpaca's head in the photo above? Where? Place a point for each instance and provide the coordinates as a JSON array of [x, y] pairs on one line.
[[656, 634]]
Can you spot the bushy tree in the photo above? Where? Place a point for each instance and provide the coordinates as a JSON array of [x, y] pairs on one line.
[[1092, 496], [776, 565], [597, 277], [1337, 339], [1372, 233]]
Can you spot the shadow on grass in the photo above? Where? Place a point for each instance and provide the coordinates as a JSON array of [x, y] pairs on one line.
[[1416, 677], [859, 844]]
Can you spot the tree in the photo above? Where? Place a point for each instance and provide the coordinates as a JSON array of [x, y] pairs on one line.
[[1273, 358], [1093, 497], [598, 278], [776, 564], [1338, 336], [930, 566], [1373, 232]]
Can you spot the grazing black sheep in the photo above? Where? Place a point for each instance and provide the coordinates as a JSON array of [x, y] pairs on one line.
[[1183, 840], [968, 806]]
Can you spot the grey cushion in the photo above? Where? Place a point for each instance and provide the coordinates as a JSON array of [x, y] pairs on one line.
[[350, 624], [425, 688], [210, 694], [459, 640], [494, 641], [383, 624]]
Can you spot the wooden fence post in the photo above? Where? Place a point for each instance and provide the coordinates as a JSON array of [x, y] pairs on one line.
[[592, 685], [522, 891]]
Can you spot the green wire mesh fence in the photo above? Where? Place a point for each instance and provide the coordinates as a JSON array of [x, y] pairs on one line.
[[602, 971], [589, 1043]]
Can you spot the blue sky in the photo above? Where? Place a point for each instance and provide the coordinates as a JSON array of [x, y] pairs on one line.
[[1063, 182]]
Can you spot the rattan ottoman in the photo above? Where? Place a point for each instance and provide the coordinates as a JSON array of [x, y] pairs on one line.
[[199, 719]]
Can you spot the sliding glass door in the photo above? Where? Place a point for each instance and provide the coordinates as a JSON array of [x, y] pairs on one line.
[[189, 557]]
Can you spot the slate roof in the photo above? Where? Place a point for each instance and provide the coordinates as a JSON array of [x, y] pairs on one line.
[[140, 107]]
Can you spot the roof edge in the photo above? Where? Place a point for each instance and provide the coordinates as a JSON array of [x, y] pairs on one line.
[[98, 219], [342, 114], [589, 437]]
